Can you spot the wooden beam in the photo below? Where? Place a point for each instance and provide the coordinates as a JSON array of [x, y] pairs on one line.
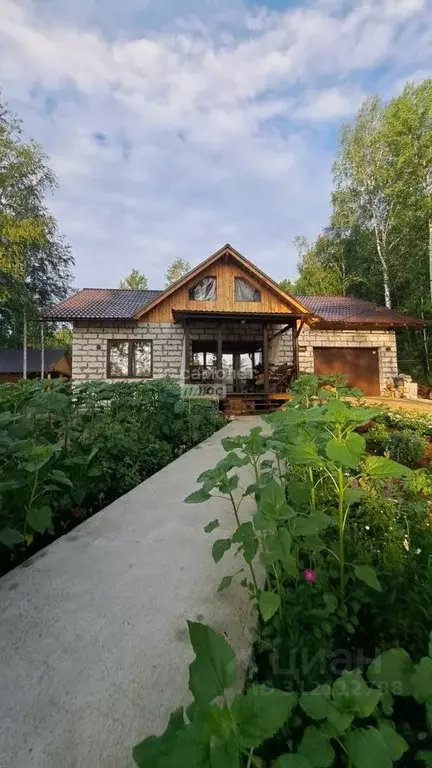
[[280, 331], [295, 336], [219, 353], [187, 351], [265, 358], [299, 329]]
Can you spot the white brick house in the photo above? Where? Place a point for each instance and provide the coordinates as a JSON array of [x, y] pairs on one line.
[[227, 318]]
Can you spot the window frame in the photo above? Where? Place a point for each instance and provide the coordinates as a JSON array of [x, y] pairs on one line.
[[204, 277], [130, 343], [248, 282]]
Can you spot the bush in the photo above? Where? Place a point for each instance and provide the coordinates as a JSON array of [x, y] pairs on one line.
[[66, 453], [406, 446]]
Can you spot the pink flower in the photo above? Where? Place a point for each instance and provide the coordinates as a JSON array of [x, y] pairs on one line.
[[310, 575]]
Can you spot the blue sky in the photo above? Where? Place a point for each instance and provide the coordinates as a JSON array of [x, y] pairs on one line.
[[175, 126]]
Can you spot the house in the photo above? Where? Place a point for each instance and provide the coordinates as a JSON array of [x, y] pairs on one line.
[[228, 322], [56, 363]]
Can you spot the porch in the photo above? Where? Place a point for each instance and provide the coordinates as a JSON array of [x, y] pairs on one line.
[[249, 360]]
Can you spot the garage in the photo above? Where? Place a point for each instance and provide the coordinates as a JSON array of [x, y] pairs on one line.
[[359, 364]]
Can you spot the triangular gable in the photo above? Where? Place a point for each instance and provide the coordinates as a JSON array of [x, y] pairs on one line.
[[292, 304]]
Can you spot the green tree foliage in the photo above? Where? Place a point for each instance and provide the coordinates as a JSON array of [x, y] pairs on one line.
[[176, 270], [35, 262], [134, 281], [378, 245]]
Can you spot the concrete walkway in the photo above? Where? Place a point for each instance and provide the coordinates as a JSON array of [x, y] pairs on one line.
[[94, 648]]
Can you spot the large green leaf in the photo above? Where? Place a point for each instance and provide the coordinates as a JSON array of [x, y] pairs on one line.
[[426, 757], [396, 745], [350, 692], [305, 452], [380, 466], [197, 497], [10, 536], [316, 748], [60, 477], [367, 749], [268, 604], [392, 670], [224, 752], [316, 703], [219, 548], [39, 518], [422, 680], [311, 524], [260, 713], [245, 535], [37, 457], [156, 751], [368, 574], [339, 719], [346, 452], [214, 668]]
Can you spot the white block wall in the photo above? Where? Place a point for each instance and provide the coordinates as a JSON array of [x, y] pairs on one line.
[[89, 353], [89, 350]]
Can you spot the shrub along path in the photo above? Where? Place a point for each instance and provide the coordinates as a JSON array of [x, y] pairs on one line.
[[93, 640]]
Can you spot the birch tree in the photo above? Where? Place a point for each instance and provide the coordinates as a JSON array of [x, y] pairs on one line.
[[362, 196]]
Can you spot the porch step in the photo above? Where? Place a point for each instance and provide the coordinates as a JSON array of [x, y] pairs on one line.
[[255, 402]]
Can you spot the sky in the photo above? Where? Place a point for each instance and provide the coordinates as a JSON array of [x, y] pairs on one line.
[[176, 126]]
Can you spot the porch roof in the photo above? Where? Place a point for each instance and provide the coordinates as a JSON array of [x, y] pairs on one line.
[[288, 318]]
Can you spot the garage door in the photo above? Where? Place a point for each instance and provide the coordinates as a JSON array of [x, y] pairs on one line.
[[359, 364]]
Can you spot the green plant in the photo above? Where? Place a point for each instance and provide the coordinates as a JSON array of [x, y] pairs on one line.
[[66, 453], [216, 731], [349, 723], [406, 446]]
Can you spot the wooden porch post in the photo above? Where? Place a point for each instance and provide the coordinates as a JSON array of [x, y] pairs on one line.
[[219, 353], [187, 376], [295, 336], [265, 358]]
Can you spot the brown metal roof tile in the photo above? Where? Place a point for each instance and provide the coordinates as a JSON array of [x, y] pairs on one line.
[[346, 310], [102, 303]]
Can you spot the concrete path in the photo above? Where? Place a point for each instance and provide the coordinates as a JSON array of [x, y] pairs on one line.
[[94, 648]]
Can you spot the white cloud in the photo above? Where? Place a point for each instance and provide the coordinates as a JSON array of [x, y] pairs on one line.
[[200, 117], [330, 103]]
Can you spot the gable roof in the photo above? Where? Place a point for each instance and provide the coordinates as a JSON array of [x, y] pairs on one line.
[[102, 303], [226, 250], [11, 360], [326, 311], [348, 311]]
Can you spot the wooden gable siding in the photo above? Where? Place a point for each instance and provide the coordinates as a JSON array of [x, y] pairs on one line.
[[225, 273]]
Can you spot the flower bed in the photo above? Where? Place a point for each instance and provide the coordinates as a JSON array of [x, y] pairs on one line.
[[65, 454], [342, 668]]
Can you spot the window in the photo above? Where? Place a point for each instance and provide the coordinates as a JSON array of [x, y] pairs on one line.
[[205, 290], [129, 359], [245, 291]]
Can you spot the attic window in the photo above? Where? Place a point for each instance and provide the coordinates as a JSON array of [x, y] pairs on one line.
[[205, 290], [245, 291]]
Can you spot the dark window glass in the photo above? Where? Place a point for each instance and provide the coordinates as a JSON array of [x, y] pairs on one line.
[[245, 291], [118, 359], [205, 290], [141, 359], [129, 359]]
